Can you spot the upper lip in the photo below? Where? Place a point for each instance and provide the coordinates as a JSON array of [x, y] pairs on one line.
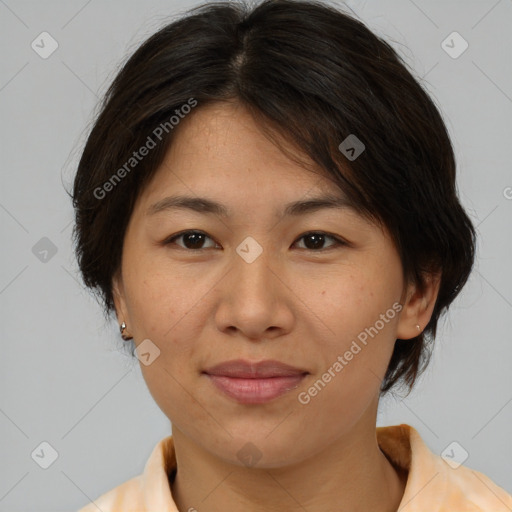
[[242, 369]]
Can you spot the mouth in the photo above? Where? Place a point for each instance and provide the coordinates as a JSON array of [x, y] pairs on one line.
[[254, 383]]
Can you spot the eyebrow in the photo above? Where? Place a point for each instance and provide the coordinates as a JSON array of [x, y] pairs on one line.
[[209, 206]]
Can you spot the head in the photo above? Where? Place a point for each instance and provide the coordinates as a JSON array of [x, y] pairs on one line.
[[255, 109]]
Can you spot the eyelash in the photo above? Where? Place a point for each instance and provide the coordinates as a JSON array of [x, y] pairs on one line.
[[338, 241]]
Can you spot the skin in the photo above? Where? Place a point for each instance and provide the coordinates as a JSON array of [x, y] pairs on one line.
[[295, 303]]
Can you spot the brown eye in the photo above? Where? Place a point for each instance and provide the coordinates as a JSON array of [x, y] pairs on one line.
[[315, 240], [193, 240]]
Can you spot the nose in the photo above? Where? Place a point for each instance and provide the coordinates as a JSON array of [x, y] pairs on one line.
[[255, 299]]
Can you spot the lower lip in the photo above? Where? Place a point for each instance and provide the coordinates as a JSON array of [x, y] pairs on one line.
[[255, 391]]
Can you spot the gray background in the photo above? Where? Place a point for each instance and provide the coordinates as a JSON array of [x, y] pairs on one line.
[[64, 379]]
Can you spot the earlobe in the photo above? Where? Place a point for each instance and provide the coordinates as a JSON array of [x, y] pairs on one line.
[[120, 306], [418, 307]]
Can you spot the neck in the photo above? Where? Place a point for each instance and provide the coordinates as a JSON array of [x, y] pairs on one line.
[[352, 471]]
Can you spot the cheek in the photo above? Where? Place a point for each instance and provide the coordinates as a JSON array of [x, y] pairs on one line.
[[347, 302], [164, 308], [351, 373], [159, 300], [361, 312], [170, 308]]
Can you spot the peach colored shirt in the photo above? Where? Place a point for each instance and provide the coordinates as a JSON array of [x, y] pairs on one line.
[[432, 484]]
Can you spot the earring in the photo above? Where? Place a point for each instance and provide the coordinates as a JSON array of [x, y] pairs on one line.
[[418, 327], [122, 327]]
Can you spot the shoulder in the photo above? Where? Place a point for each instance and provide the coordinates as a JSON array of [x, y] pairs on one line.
[[435, 483], [126, 497], [469, 490], [147, 491]]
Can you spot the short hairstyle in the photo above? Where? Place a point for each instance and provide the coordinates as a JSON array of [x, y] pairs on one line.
[[313, 76]]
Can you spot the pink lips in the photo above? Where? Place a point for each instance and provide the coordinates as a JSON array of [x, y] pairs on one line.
[[254, 383]]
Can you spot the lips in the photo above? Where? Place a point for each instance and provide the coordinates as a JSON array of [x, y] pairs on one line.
[[239, 368], [254, 383]]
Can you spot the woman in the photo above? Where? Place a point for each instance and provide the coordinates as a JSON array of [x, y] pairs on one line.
[[267, 202]]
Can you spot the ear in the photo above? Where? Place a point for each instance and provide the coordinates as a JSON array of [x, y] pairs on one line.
[[118, 296], [418, 306]]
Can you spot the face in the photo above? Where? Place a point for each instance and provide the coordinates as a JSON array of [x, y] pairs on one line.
[[318, 289]]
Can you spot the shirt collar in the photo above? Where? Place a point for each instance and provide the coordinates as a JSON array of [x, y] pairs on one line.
[[155, 480], [405, 449], [431, 484]]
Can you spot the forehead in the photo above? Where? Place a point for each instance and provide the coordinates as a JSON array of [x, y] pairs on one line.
[[226, 134], [221, 151]]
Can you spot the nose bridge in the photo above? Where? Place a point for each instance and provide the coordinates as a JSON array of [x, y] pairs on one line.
[[254, 297], [252, 300], [252, 269]]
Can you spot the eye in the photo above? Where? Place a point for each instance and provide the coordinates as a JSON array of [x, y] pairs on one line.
[[317, 238], [194, 240]]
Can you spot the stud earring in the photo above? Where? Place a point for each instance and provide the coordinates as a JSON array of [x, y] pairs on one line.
[[122, 328]]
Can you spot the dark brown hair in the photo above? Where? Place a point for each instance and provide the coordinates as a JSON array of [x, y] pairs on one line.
[[313, 75]]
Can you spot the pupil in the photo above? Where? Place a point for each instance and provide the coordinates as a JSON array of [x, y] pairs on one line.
[[317, 243], [197, 238]]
